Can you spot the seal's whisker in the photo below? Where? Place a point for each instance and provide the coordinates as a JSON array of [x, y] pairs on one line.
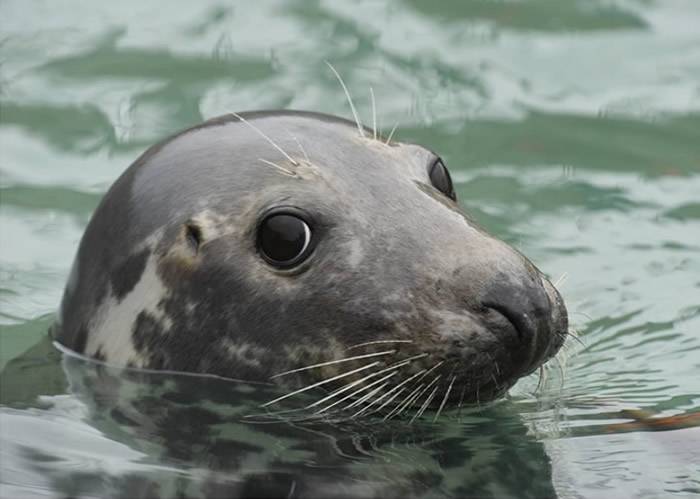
[[278, 167], [392, 367], [301, 148], [337, 361], [426, 403], [347, 94], [361, 400], [351, 385], [576, 312], [411, 359], [542, 378], [272, 413], [385, 403], [416, 397], [408, 380], [404, 404], [562, 370], [444, 399], [574, 335], [264, 136], [461, 401], [320, 383], [561, 280], [409, 398], [377, 342], [391, 134], [374, 113]]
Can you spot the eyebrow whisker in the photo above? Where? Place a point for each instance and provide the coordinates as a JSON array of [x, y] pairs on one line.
[[374, 113], [301, 148], [263, 135], [391, 134], [347, 94], [278, 167]]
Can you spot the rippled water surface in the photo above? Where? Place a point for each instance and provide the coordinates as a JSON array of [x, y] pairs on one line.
[[572, 129]]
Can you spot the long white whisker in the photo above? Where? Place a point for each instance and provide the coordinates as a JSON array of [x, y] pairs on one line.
[[461, 401], [347, 94], [417, 397], [389, 393], [409, 398], [561, 280], [387, 402], [392, 367], [374, 113], [406, 402], [444, 399], [542, 379], [426, 403], [574, 335], [342, 389], [409, 360], [391, 134], [331, 362], [378, 342], [360, 390], [262, 134], [361, 400], [301, 390], [278, 167], [301, 148]]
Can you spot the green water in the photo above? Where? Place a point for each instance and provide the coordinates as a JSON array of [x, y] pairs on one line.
[[572, 129]]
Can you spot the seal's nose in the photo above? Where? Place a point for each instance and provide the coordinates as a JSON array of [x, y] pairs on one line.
[[525, 304]]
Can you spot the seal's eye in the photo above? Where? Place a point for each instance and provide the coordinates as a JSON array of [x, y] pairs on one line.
[[284, 239], [440, 178]]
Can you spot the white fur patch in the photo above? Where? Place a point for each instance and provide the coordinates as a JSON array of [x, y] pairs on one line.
[[243, 353], [111, 331]]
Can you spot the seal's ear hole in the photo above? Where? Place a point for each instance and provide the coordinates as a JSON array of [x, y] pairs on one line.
[[193, 236]]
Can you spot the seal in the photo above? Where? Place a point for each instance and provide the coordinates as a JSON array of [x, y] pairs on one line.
[[305, 249]]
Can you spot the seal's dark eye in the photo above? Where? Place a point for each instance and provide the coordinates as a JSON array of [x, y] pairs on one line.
[[440, 178], [284, 239]]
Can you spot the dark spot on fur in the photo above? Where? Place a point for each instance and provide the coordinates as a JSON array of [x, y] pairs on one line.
[[147, 333], [125, 277], [99, 355], [193, 234], [80, 340]]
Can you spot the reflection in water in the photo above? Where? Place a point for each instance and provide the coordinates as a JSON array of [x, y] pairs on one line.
[[168, 435]]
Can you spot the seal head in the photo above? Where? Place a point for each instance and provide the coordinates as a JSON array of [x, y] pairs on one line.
[[287, 246]]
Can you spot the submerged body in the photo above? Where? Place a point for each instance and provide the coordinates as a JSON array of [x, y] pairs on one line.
[[295, 247]]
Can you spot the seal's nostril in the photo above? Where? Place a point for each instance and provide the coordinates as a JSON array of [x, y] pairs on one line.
[[520, 321]]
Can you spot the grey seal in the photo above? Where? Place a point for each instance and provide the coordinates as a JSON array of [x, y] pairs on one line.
[[305, 249]]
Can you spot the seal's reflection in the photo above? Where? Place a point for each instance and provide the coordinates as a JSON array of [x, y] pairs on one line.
[[195, 430]]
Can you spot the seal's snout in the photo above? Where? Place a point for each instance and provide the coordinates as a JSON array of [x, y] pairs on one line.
[[527, 310], [524, 304]]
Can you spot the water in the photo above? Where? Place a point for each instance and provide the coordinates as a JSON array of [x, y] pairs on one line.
[[572, 130]]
